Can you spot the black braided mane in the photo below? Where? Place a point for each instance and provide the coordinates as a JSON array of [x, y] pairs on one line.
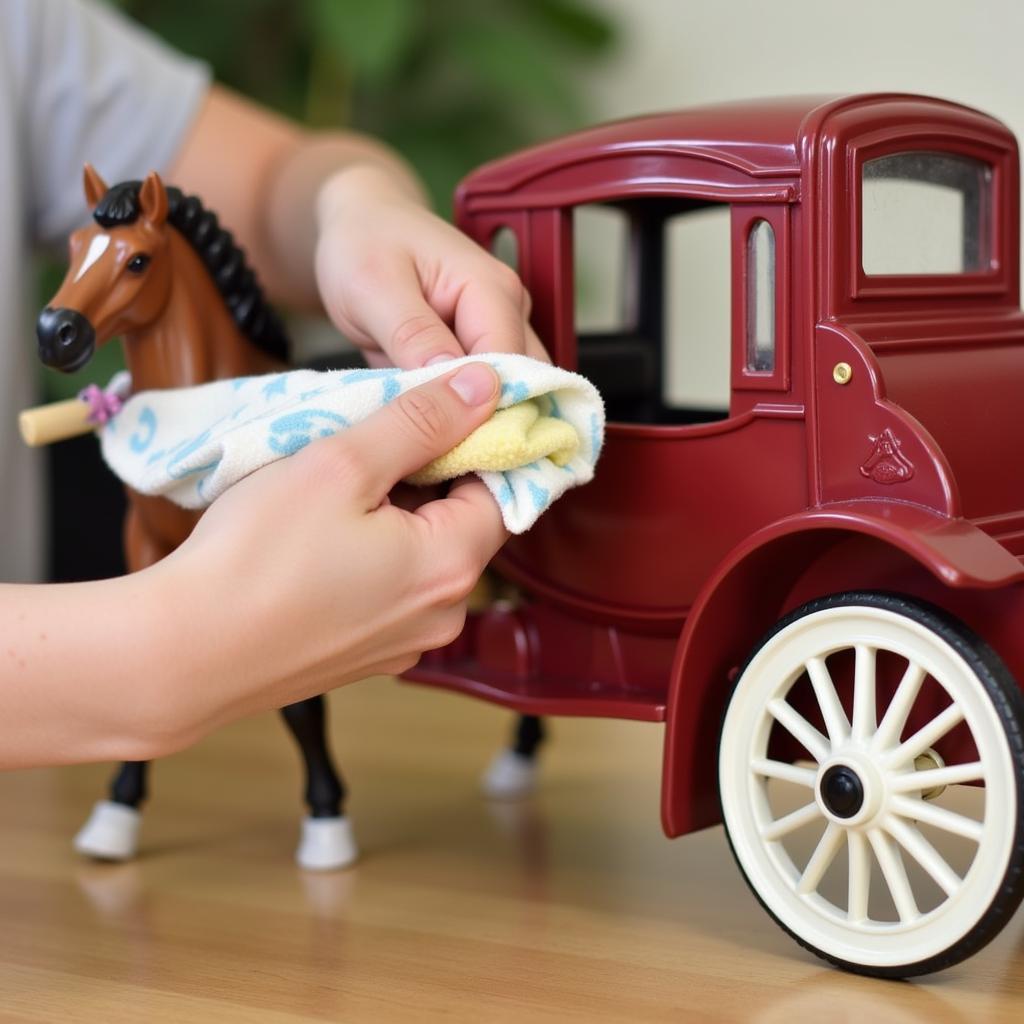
[[216, 247]]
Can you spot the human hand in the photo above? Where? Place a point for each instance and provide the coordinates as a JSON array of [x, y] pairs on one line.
[[304, 576], [406, 286]]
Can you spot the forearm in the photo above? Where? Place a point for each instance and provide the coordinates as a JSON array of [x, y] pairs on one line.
[[134, 668], [82, 675]]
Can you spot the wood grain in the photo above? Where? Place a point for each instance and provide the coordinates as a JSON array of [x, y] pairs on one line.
[[570, 906]]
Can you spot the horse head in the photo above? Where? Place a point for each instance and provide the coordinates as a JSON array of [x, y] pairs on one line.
[[120, 276]]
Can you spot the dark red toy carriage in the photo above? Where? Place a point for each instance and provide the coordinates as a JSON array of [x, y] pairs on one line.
[[818, 589]]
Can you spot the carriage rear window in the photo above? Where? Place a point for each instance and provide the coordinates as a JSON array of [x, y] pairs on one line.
[[505, 245], [926, 213]]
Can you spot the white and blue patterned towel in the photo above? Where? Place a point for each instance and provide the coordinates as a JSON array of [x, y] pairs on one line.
[[192, 444]]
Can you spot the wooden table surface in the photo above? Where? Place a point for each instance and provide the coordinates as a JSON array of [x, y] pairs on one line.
[[570, 906]]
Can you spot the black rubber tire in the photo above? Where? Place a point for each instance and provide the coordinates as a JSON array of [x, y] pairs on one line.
[[1008, 702]]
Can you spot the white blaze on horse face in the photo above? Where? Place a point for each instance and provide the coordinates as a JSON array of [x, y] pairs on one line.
[[97, 247]]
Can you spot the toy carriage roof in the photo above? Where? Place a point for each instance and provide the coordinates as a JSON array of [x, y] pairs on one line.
[[760, 139]]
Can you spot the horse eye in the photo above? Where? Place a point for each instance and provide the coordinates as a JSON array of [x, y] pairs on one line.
[[138, 263]]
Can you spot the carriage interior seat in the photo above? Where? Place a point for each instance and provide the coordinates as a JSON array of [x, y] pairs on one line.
[[627, 369]]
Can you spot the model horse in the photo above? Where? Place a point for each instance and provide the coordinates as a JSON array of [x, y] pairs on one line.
[[155, 268]]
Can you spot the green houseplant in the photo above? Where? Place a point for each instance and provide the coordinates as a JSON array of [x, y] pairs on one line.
[[449, 83]]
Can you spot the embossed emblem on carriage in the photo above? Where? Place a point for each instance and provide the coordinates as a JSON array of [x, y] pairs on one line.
[[887, 464]]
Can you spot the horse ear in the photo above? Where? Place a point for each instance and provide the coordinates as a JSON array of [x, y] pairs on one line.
[[95, 187], [153, 200]]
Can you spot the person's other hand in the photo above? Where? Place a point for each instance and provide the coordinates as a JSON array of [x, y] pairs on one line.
[[304, 576], [406, 286]]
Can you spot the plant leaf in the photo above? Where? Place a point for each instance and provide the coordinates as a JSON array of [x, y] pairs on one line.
[[576, 24], [370, 37], [516, 66]]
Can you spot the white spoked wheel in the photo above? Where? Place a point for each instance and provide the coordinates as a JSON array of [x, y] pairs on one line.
[[871, 767]]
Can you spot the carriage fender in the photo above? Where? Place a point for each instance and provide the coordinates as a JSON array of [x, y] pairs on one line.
[[744, 597]]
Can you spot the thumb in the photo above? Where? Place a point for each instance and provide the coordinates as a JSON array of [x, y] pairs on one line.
[[419, 426]]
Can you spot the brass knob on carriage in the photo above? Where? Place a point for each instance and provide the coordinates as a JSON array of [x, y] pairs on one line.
[[842, 373]]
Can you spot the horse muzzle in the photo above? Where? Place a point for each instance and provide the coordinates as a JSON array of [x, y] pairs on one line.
[[66, 339]]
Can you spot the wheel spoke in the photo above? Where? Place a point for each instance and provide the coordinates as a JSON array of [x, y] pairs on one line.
[[799, 728], [824, 854], [931, 778], [895, 717], [895, 874], [939, 817], [865, 717], [911, 839], [859, 884], [784, 771], [790, 823], [925, 737], [836, 723]]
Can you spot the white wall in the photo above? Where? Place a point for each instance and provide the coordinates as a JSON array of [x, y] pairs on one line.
[[678, 53], [681, 52]]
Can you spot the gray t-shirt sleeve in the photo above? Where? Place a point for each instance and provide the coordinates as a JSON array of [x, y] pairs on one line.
[[92, 87]]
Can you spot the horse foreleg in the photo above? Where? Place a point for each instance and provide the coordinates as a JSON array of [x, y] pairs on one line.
[[513, 772], [112, 830], [327, 841], [528, 736]]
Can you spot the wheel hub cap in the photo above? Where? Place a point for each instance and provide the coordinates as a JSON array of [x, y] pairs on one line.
[[842, 791], [851, 789]]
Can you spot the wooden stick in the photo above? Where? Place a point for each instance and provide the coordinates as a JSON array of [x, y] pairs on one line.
[[56, 421]]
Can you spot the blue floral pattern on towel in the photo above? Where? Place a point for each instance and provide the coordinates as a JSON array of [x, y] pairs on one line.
[[191, 444], [291, 433]]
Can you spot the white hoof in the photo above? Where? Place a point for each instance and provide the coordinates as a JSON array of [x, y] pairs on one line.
[[509, 776], [111, 833], [326, 844]]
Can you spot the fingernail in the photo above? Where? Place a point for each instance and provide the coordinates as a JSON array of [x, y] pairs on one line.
[[475, 383], [442, 358]]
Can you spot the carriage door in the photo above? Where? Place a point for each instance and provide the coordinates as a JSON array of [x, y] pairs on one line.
[[700, 450]]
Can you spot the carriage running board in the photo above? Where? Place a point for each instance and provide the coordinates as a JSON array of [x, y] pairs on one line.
[[539, 696], [541, 661]]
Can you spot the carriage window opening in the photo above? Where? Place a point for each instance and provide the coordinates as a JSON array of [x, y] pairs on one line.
[[505, 246], [600, 267], [761, 298], [653, 281], [926, 213], [698, 314]]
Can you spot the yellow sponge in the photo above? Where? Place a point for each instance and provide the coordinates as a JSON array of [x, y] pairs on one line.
[[512, 437]]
